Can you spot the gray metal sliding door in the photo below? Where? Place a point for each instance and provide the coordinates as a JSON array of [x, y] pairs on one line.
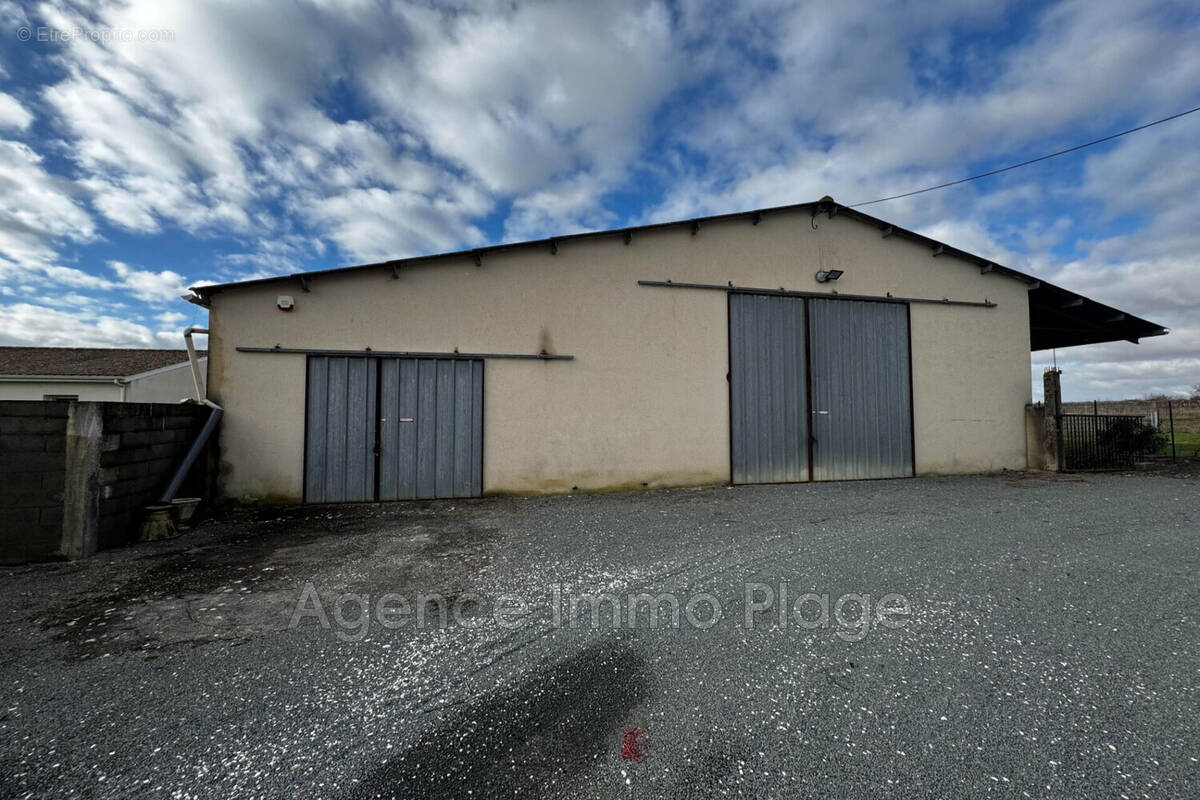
[[849, 359], [768, 397], [431, 428], [393, 429], [339, 463], [861, 390]]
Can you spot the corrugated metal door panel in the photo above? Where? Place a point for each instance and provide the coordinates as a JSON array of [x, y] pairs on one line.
[[398, 430], [406, 462], [426, 422], [862, 416], [768, 403], [341, 414], [477, 429], [462, 439], [316, 395], [438, 451], [389, 429], [360, 429], [444, 427], [336, 388]]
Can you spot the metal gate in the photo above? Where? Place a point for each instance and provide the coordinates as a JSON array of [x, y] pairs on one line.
[[768, 398], [819, 389], [393, 429], [861, 390], [1105, 441]]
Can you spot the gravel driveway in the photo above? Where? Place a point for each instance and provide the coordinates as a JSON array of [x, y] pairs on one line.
[[1010, 635]]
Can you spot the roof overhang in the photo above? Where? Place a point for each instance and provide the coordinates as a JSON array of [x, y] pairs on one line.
[[1061, 318], [1058, 317]]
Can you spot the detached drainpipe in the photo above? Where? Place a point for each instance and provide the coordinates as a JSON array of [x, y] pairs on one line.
[[209, 426], [197, 378]]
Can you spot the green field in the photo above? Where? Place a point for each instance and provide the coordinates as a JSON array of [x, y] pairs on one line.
[[1186, 445], [1187, 428], [1187, 420]]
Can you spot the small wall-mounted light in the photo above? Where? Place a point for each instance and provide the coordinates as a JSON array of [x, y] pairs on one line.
[[285, 302], [827, 275]]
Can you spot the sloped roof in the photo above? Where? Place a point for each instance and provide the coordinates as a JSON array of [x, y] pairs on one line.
[[86, 361], [1058, 317]]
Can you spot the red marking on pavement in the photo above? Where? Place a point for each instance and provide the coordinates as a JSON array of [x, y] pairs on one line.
[[634, 742]]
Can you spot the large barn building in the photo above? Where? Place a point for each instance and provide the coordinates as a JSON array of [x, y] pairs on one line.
[[808, 342]]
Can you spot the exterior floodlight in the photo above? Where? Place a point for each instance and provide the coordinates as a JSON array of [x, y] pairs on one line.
[[826, 275]]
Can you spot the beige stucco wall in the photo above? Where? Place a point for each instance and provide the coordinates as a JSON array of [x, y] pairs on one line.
[[38, 390], [646, 399]]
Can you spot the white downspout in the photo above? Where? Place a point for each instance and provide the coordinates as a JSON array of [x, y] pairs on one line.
[[209, 426], [197, 378]]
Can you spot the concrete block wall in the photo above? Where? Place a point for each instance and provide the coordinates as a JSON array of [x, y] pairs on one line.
[[142, 445], [32, 470], [74, 477]]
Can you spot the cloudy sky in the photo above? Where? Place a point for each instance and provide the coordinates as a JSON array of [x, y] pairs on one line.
[[149, 145]]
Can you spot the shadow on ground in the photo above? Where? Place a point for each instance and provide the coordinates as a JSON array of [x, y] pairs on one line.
[[523, 738]]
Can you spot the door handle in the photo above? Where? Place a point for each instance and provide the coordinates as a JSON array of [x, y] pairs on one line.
[[825, 413]]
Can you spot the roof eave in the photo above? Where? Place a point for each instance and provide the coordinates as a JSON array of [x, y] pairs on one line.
[[1129, 328], [201, 294], [62, 378]]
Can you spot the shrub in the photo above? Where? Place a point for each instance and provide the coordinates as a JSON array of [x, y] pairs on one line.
[[1131, 435]]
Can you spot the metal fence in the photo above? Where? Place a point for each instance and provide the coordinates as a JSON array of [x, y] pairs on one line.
[[1105, 441]]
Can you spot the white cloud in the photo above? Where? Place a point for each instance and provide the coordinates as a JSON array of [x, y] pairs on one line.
[[1090, 378], [376, 224], [278, 256], [29, 324], [65, 300], [807, 120], [12, 16], [13, 114], [153, 287], [76, 278], [521, 94], [37, 211]]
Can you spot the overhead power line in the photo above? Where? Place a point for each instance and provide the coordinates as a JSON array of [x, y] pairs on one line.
[[1032, 160]]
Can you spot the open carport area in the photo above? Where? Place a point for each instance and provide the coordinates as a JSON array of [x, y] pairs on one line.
[[1014, 635]]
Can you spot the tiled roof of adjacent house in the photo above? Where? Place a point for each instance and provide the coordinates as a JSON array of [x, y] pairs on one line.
[[116, 363]]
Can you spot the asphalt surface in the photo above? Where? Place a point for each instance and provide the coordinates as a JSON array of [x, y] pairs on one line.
[[1049, 648]]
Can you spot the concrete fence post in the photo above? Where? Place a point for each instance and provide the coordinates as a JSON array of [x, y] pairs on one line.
[[81, 492], [1052, 441]]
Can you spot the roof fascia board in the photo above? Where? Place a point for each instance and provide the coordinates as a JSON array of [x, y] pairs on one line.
[[61, 379]]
